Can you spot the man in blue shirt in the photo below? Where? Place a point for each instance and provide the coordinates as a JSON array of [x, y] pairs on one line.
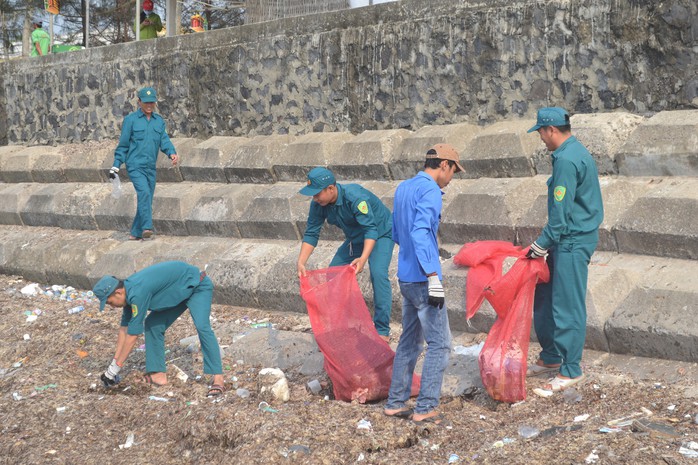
[[165, 290], [416, 216], [575, 211], [143, 136], [367, 226]]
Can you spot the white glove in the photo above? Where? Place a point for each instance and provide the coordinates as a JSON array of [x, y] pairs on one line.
[[110, 377], [536, 251], [436, 292]]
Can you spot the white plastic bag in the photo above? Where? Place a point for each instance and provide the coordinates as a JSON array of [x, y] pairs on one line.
[[116, 187]]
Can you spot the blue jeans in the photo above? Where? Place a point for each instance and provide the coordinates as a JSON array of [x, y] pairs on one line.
[[420, 322]]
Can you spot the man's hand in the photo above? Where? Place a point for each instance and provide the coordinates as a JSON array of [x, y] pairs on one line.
[[358, 264], [536, 251], [436, 292], [114, 173], [175, 159], [110, 378], [301, 270]]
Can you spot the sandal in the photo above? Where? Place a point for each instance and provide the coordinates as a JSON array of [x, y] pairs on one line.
[[557, 384], [148, 379], [147, 234], [134, 238], [404, 414], [536, 369], [215, 390], [437, 420]]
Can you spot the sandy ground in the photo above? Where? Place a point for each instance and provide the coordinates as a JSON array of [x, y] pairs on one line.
[[54, 410]]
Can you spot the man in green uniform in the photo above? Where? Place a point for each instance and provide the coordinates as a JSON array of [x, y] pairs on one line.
[[575, 211], [143, 136], [165, 290], [150, 22], [41, 42], [367, 226]]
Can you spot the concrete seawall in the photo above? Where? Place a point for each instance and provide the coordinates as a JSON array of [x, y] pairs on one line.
[[233, 204]]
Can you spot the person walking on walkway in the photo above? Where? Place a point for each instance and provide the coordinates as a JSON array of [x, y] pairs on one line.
[[416, 215], [367, 225], [575, 212], [143, 136], [152, 299]]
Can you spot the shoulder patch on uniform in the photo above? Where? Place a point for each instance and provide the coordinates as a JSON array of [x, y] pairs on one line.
[[134, 311], [559, 193], [363, 207]]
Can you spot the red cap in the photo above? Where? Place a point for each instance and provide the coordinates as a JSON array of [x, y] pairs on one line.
[[148, 5]]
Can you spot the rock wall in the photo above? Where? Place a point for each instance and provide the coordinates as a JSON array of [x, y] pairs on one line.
[[397, 65]]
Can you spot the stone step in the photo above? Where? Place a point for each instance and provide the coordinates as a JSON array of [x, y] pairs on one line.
[[645, 216], [637, 305], [622, 143]]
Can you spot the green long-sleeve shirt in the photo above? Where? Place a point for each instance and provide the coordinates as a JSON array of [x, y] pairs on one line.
[[575, 207]]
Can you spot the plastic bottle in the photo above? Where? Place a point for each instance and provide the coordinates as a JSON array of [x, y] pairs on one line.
[[77, 309], [116, 187]]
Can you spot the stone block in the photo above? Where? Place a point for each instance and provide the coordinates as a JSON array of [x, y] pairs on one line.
[[502, 150], [185, 147], [280, 290], [487, 209], [307, 152], [218, 208], [611, 279], [13, 197], [76, 206], [172, 205], [116, 214], [657, 318], [11, 239], [7, 151], [462, 376], [253, 161], [603, 134], [408, 160], [44, 205], [273, 348], [199, 251], [618, 195], [238, 271], [366, 157], [207, 160], [663, 145], [23, 252], [89, 161], [274, 213], [663, 222], [74, 252], [15, 167], [46, 163], [128, 257]]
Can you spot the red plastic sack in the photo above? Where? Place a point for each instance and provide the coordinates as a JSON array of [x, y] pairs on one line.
[[503, 359], [357, 360]]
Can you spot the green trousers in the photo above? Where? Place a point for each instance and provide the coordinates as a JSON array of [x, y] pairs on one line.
[[378, 263], [156, 323], [559, 309]]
